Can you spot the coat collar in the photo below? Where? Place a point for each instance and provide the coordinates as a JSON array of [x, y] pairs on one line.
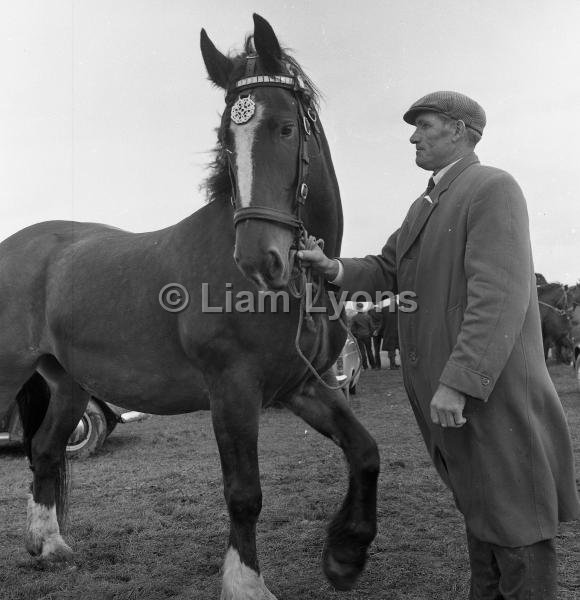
[[453, 173], [426, 208]]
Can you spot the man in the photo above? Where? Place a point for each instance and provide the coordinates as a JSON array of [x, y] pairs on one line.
[[472, 358], [391, 332], [361, 329], [377, 329]]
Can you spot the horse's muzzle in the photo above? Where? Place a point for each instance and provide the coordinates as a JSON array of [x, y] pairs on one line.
[[268, 271]]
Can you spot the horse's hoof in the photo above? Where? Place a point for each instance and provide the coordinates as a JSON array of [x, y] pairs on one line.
[[342, 576], [56, 550], [33, 545]]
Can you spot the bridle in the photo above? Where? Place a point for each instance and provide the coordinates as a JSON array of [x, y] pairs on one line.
[[562, 312], [563, 301], [308, 125]]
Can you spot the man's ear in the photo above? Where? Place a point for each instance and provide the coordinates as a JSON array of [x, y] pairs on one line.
[[459, 131]]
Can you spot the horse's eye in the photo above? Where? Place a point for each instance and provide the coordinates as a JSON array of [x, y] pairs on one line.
[[286, 130]]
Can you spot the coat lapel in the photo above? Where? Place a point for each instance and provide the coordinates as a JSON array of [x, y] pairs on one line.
[[427, 208]]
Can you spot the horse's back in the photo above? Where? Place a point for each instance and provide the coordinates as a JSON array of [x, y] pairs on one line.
[[87, 294]]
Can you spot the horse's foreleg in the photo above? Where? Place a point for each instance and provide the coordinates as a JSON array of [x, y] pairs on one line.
[[235, 417], [353, 528], [47, 501]]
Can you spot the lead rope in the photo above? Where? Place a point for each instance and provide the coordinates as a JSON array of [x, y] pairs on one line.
[[299, 291]]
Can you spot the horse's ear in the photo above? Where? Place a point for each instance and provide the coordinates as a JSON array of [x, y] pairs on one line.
[[267, 45], [219, 67]]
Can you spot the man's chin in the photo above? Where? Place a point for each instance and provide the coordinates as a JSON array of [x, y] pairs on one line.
[[421, 163]]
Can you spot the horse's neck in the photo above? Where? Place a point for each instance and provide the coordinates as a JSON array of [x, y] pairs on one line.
[[552, 293], [209, 228]]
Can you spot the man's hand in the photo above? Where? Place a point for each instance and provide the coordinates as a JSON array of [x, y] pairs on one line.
[[447, 407], [313, 256]]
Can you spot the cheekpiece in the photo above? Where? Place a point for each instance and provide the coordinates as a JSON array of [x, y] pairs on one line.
[[243, 110]]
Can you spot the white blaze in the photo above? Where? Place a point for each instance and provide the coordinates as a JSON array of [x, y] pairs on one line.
[[240, 582], [244, 139]]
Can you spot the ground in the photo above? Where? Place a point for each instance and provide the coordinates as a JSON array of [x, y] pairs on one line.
[[147, 518]]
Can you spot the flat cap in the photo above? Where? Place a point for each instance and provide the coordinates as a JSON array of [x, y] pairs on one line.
[[452, 104]]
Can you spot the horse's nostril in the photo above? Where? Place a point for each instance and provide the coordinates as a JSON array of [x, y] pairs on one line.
[[275, 264]]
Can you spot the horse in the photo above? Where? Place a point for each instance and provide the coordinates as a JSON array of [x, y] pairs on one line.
[[170, 321], [574, 294], [557, 332], [556, 294]]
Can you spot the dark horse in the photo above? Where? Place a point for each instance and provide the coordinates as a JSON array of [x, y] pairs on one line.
[[556, 294], [556, 306], [85, 309], [557, 332]]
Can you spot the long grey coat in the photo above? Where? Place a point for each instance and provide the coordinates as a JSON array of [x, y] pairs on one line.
[[467, 257]]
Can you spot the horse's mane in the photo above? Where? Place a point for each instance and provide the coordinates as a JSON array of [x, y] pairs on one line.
[[218, 184]]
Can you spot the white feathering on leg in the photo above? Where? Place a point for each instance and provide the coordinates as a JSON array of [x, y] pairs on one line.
[[240, 582]]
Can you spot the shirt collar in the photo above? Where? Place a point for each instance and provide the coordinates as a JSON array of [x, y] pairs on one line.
[[437, 177]]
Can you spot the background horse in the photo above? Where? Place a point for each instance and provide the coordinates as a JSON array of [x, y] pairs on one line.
[[143, 320], [557, 332], [556, 294], [557, 324]]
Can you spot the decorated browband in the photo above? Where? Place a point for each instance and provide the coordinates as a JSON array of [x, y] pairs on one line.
[[244, 107]]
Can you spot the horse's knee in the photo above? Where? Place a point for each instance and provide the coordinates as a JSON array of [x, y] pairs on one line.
[[370, 462]]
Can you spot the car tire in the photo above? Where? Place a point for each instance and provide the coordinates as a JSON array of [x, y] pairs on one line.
[[111, 423], [89, 434]]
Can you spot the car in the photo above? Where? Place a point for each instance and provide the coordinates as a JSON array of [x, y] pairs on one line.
[[97, 423], [347, 367]]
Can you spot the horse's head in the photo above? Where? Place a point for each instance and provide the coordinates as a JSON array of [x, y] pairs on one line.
[[271, 144]]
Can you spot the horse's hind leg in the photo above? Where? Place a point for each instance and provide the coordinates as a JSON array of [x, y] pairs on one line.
[[353, 528], [46, 451], [235, 417]]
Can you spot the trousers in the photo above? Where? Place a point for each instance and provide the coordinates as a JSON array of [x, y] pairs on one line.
[[524, 573]]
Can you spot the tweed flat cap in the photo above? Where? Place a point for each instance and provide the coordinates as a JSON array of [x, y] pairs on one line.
[[454, 105]]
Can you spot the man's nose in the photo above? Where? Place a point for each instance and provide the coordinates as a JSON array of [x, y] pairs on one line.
[[414, 139]]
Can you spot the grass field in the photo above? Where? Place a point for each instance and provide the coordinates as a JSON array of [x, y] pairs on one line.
[[147, 518]]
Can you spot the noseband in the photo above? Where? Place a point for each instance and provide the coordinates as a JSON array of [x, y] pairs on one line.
[[308, 122]]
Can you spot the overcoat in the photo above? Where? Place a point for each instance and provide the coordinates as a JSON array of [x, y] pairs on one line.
[[390, 328], [466, 257], [360, 325]]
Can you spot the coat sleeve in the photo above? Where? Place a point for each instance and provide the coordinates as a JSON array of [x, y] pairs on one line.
[[364, 277], [498, 267]]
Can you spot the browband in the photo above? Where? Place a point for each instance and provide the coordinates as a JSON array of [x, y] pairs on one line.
[[268, 79], [292, 83]]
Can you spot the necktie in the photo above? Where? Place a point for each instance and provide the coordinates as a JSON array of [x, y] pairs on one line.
[[430, 186]]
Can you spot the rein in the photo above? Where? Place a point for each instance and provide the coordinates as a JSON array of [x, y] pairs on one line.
[[562, 301], [560, 311], [242, 111]]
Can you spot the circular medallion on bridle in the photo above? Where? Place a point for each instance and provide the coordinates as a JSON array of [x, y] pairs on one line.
[[243, 110]]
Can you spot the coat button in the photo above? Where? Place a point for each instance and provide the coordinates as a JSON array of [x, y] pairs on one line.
[[412, 356], [485, 381]]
